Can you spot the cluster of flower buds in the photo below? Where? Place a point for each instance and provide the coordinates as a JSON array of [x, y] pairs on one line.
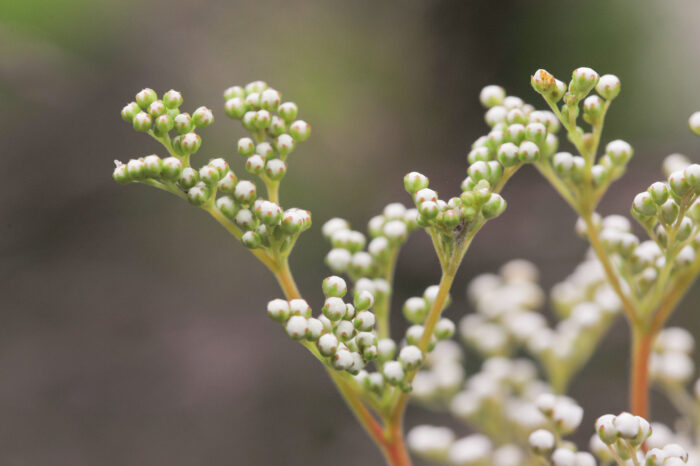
[[507, 319], [499, 400], [671, 363], [388, 231], [670, 211], [623, 437], [160, 117], [441, 376], [262, 113], [477, 203], [440, 445], [571, 168], [343, 332]]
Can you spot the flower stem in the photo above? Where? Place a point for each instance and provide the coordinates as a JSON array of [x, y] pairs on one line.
[[639, 378]]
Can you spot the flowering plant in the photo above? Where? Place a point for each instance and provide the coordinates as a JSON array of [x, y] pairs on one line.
[[522, 419]]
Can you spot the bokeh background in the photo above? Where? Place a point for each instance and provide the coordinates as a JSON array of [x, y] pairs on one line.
[[133, 329]]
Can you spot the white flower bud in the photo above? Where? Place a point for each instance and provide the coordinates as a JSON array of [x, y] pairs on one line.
[[541, 441], [567, 416], [619, 152], [278, 310], [334, 308], [694, 123], [414, 334], [314, 329], [563, 457], [655, 457], [393, 372], [495, 115], [429, 441], [342, 360], [608, 86], [410, 357], [472, 450], [338, 259], [328, 344], [673, 450], [492, 95], [583, 458], [627, 425], [296, 327], [344, 330], [425, 195], [334, 286], [546, 403], [364, 321], [395, 230], [444, 328], [605, 426], [386, 348], [299, 307]]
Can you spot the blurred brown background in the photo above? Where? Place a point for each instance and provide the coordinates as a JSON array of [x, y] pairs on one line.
[[133, 329]]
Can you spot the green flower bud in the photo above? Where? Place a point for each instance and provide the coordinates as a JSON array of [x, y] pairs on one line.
[[300, 130], [183, 123], [255, 87], [536, 132], [619, 152], [246, 220], [600, 175], [428, 210], [415, 310], [209, 175], [262, 119], [164, 123], [202, 117], [694, 211], [550, 146], [363, 300], [583, 80], [152, 166], [659, 192], [255, 164], [669, 211], [275, 169], [265, 150], [515, 133], [277, 126], [692, 174], [449, 218], [494, 206], [236, 107], [479, 154], [516, 116], [444, 329], [508, 154], [288, 111], [248, 120], [189, 177], [129, 110], [334, 308], [145, 97], [684, 229], [543, 82], [270, 100], [190, 143], [284, 144], [278, 310], [142, 122], [228, 183], [334, 286], [410, 357], [226, 206], [156, 109], [528, 152], [246, 147], [245, 192], [679, 183], [592, 108], [197, 195], [491, 96], [136, 169], [694, 123], [233, 92], [121, 174], [269, 213], [608, 86], [172, 99], [644, 204], [252, 240], [414, 182]]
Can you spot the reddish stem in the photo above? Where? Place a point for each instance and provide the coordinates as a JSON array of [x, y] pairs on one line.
[[639, 377]]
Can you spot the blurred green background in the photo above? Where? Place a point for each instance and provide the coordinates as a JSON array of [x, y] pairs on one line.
[[133, 328]]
